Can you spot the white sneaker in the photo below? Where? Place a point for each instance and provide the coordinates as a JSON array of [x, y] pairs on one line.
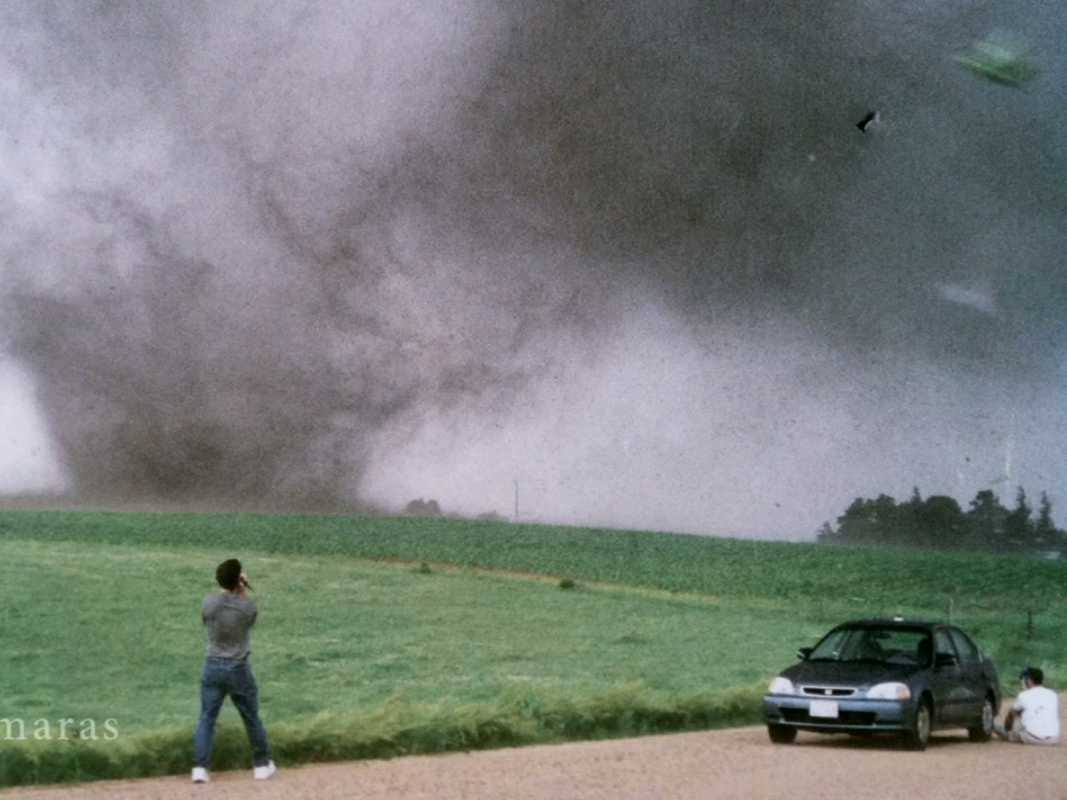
[[200, 775], [264, 772]]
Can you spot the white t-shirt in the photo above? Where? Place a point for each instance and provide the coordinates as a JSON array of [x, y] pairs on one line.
[[1040, 708]]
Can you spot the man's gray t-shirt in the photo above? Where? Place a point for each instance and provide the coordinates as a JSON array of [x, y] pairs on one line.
[[229, 621]]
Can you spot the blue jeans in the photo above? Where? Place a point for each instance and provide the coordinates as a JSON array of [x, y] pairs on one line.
[[227, 676]]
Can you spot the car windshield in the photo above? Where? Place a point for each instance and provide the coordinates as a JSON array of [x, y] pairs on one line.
[[906, 646]]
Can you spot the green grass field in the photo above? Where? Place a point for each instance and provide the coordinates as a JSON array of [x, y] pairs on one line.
[[362, 653]]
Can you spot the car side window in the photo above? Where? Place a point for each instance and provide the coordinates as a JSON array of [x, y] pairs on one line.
[[965, 647], [942, 644]]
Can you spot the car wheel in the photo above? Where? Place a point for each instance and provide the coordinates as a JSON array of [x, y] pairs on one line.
[[984, 729], [919, 734], [782, 734]]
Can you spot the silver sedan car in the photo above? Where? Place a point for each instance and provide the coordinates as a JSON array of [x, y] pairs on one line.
[[886, 676]]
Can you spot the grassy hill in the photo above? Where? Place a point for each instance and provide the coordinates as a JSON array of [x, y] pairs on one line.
[[386, 636], [681, 563]]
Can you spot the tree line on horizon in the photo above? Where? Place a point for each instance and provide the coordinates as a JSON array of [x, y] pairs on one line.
[[938, 522]]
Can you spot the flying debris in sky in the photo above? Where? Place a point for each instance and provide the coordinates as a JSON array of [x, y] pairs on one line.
[[1001, 58], [869, 120]]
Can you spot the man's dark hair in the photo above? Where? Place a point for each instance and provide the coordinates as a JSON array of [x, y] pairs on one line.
[[1034, 674], [228, 574]]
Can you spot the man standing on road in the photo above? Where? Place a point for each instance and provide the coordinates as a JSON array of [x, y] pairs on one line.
[[1035, 716], [229, 616]]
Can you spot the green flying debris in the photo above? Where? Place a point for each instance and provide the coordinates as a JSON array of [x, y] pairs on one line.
[[1000, 58]]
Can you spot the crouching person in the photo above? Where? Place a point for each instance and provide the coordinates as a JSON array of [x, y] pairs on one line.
[[1035, 716], [229, 616]]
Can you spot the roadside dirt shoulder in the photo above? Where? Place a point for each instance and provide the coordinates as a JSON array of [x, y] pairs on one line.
[[738, 764]]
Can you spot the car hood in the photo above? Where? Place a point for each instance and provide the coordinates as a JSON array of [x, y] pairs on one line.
[[848, 673]]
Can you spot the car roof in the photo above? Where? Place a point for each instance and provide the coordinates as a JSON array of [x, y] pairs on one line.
[[895, 622]]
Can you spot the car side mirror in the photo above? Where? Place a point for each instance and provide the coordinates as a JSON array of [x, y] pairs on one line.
[[804, 652], [945, 660]]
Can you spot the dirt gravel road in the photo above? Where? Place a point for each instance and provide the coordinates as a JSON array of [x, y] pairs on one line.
[[738, 764]]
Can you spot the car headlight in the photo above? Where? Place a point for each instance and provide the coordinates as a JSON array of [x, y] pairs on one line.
[[781, 685], [889, 691]]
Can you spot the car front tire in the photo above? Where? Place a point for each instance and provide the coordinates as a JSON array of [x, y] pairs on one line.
[[918, 736], [782, 734], [984, 729]]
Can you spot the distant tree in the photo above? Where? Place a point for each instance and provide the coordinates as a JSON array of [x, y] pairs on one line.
[[939, 522], [910, 528], [870, 521], [886, 519], [1046, 536], [858, 525], [423, 508], [1044, 522], [1018, 527], [826, 534], [853, 526], [942, 523], [985, 521]]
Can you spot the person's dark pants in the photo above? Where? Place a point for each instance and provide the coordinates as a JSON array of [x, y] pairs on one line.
[[227, 676]]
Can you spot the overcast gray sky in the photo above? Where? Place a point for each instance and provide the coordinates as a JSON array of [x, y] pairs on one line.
[[635, 257]]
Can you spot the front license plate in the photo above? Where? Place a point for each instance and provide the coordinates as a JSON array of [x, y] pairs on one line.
[[826, 709]]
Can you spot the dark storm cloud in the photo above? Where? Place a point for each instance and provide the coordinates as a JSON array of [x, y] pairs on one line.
[[246, 242], [711, 139]]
